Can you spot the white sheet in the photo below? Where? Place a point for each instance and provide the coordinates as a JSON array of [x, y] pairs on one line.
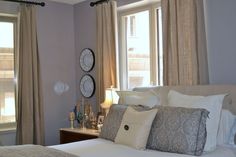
[[104, 148]]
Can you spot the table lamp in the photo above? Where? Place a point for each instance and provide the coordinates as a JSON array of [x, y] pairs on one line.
[[108, 100]]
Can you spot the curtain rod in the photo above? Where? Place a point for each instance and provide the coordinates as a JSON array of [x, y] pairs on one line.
[[27, 2], [97, 2]]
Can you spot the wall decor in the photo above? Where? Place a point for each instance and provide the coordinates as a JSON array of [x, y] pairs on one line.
[[87, 86], [61, 87], [87, 60]]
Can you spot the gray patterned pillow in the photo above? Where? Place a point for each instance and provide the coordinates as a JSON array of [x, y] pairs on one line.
[[178, 130], [113, 120]]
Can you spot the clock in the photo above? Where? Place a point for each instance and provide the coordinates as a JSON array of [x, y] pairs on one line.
[[87, 86], [87, 60]]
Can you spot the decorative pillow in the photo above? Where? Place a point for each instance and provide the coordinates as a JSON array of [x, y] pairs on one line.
[[232, 137], [148, 98], [226, 123], [135, 128], [113, 120], [211, 103], [178, 130]]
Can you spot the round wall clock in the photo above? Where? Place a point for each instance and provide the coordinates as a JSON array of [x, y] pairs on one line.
[[87, 86], [87, 60]]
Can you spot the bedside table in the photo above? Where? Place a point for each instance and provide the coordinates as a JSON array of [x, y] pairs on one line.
[[68, 135]]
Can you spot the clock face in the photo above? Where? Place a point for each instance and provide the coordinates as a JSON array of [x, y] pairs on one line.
[[87, 86], [87, 60]]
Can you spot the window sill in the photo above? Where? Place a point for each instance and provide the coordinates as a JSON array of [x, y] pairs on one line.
[[7, 130]]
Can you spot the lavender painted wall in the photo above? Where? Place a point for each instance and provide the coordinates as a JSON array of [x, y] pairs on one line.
[[85, 37], [57, 56], [8, 7], [55, 24], [221, 40]]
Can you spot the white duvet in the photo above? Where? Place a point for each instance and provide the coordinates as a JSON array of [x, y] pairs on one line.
[[104, 148]]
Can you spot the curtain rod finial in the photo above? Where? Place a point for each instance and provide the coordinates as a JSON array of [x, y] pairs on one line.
[[42, 4], [92, 4]]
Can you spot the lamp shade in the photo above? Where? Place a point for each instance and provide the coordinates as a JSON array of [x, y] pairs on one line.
[[108, 99]]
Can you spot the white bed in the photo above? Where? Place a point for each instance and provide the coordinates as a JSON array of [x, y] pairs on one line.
[[104, 148]]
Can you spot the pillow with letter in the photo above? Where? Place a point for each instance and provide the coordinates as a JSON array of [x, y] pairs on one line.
[[135, 128]]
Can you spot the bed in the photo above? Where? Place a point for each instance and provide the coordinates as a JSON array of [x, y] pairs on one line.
[[107, 144], [106, 148]]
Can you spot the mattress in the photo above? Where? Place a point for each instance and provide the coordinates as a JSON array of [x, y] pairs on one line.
[[104, 148]]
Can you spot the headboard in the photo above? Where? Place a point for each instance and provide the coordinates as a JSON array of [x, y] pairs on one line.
[[229, 101]]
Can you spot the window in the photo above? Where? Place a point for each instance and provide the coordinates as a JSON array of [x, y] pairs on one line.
[[7, 71], [132, 29], [140, 57]]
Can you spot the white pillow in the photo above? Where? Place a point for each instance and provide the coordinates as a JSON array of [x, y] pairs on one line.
[[211, 103], [232, 137], [135, 128], [148, 98], [226, 123]]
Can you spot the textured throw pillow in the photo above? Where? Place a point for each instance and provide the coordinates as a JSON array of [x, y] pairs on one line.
[[113, 120], [135, 128], [148, 98], [211, 103], [178, 130]]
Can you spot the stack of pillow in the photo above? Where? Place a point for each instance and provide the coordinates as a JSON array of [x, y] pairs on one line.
[[188, 124]]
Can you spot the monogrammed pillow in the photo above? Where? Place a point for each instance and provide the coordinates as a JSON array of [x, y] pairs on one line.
[[135, 128], [113, 120]]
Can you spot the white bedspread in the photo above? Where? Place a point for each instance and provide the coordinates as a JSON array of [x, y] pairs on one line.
[[104, 148]]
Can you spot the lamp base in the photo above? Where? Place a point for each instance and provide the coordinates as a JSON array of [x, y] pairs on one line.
[[106, 111]]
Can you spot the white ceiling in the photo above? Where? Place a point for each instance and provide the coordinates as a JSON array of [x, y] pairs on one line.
[[69, 1]]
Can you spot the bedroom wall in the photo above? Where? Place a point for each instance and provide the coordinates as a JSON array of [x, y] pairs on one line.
[[55, 24], [221, 40], [221, 37], [57, 55], [85, 37]]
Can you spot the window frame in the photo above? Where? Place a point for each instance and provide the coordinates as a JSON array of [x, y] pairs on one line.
[[13, 19], [154, 43]]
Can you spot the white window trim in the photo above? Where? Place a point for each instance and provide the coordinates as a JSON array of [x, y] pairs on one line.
[[123, 72]]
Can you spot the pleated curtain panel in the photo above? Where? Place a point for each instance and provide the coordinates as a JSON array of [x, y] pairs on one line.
[[106, 14], [184, 42], [30, 119]]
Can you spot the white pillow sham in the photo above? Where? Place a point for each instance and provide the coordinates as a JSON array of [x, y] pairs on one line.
[[232, 137], [211, 103], [147, 98], [226, 123], [135, 128]]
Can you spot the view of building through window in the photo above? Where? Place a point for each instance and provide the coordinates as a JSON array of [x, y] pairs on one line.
[[138, 49], [141, 57], [7, 83]]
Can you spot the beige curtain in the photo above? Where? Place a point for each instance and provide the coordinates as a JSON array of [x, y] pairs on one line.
[[30, 121], [106, 48], [184, 42]]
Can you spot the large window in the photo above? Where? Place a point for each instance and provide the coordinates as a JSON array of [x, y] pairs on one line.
[[7, 71], [140, 54]]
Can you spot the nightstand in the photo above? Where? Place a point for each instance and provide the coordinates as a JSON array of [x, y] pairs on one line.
[[68, 135]]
